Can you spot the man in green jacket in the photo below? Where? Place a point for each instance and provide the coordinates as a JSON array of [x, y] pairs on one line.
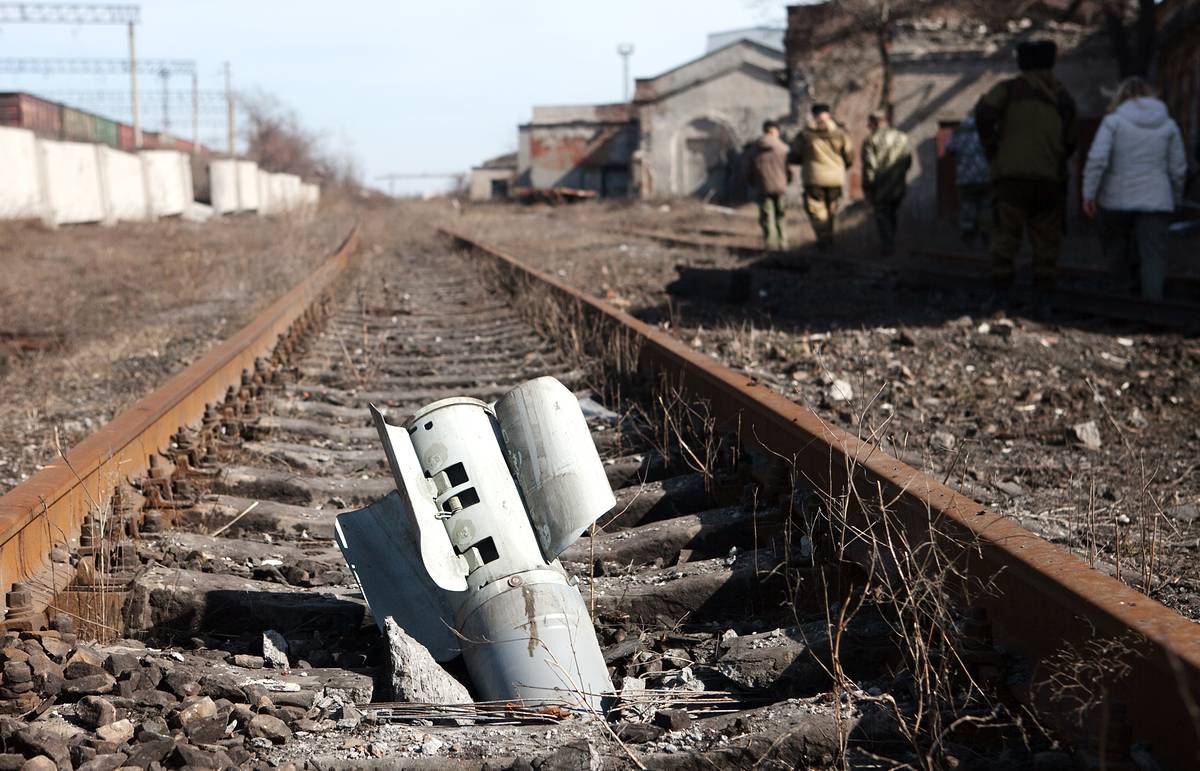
[[886, 158], [1027, 126], [823, 152]]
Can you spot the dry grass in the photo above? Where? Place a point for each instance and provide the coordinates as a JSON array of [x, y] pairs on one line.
[[131, 305]]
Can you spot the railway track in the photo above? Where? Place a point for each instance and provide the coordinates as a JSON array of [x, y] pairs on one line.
[[756, 589]]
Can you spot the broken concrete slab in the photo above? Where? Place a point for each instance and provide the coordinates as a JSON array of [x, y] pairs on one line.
[[266, 517], [251, 482], [169, 602], [318, 460], [339, 436], [654, 501], [1087, 434], [709, 589], [708, 534], [415, 676]]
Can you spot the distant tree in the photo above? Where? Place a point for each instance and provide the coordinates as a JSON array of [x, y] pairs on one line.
[[1132, 28], [277, 141], [878, 18]]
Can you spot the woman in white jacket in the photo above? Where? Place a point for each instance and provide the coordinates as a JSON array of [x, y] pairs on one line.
[[1135, 173]]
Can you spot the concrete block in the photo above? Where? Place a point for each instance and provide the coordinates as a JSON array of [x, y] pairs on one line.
[[247, 173], [223, 186], [22, 189], [74, 189], [266, 198], [168, 181], [124, 185], [292, 191], [311, 197]]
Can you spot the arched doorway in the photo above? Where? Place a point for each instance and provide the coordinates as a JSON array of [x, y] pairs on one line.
[[705, 152]]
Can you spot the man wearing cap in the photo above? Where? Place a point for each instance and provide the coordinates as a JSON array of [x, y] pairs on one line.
[[770, 175], [823, 152], [1027, 126], [886, 158]]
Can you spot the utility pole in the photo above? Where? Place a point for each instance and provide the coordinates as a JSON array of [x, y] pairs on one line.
[[229, 110], [195, 112], [135, 106], [85, 13], [625, 50], [166, 100]]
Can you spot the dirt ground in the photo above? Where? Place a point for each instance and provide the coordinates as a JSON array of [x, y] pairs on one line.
[[92, 318], [1085, 430]]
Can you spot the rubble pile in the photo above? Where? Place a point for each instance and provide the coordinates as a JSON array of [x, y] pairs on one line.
[[131, 705]]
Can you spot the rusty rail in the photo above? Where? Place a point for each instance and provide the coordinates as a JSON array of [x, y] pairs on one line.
[[47, 510], [1042, 598]]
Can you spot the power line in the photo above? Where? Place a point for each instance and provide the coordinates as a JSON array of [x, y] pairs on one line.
[[53, 66], [69, 13], [122, 99], [88, 13]]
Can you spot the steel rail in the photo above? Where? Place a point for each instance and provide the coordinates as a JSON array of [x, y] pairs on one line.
[[1042, 599], [47, 509]]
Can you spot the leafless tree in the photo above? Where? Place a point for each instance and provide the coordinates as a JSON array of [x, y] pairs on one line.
[[1132, 27], [279, 142]]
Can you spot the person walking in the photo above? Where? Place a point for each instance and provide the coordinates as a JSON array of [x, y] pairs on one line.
[[823, 152], [1133, 178], [886, 158], [770, 175], [972, 179], [1027, 125]]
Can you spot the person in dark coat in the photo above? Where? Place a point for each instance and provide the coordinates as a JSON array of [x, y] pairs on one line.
[[1028, 128], [770, 175]]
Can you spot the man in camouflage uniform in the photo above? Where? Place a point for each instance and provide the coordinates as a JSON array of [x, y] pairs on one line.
[[886, 158], [1027, 126], [823, 152]]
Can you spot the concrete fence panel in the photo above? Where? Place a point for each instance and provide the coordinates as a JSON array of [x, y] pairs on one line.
[[168, 182], [124, 183], [247, 174], [266, 199], [22, 189], [292, 191], [223, 186], [279, 194], [74, 190], [311, 196]]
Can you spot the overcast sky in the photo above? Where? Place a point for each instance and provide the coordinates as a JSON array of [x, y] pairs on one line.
[[405, 86]]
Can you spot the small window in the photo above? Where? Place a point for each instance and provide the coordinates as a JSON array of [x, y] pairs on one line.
[[487, 550], [429, 426], [467, 498], [457, 475]]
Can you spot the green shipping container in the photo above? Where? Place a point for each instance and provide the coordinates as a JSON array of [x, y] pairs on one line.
[[106, 132], [78, 126]]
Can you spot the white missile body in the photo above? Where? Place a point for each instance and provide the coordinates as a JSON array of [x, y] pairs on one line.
[[464, 555]]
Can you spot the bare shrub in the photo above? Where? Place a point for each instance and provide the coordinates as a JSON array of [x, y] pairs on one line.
[[279, 142]]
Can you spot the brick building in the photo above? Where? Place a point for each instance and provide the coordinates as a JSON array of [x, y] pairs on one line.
[[941, 64], [683, 134]]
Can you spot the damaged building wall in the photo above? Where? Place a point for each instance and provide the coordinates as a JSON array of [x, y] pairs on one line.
[[941, 65], [587, 147], [1179, 76], [696, 119]]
